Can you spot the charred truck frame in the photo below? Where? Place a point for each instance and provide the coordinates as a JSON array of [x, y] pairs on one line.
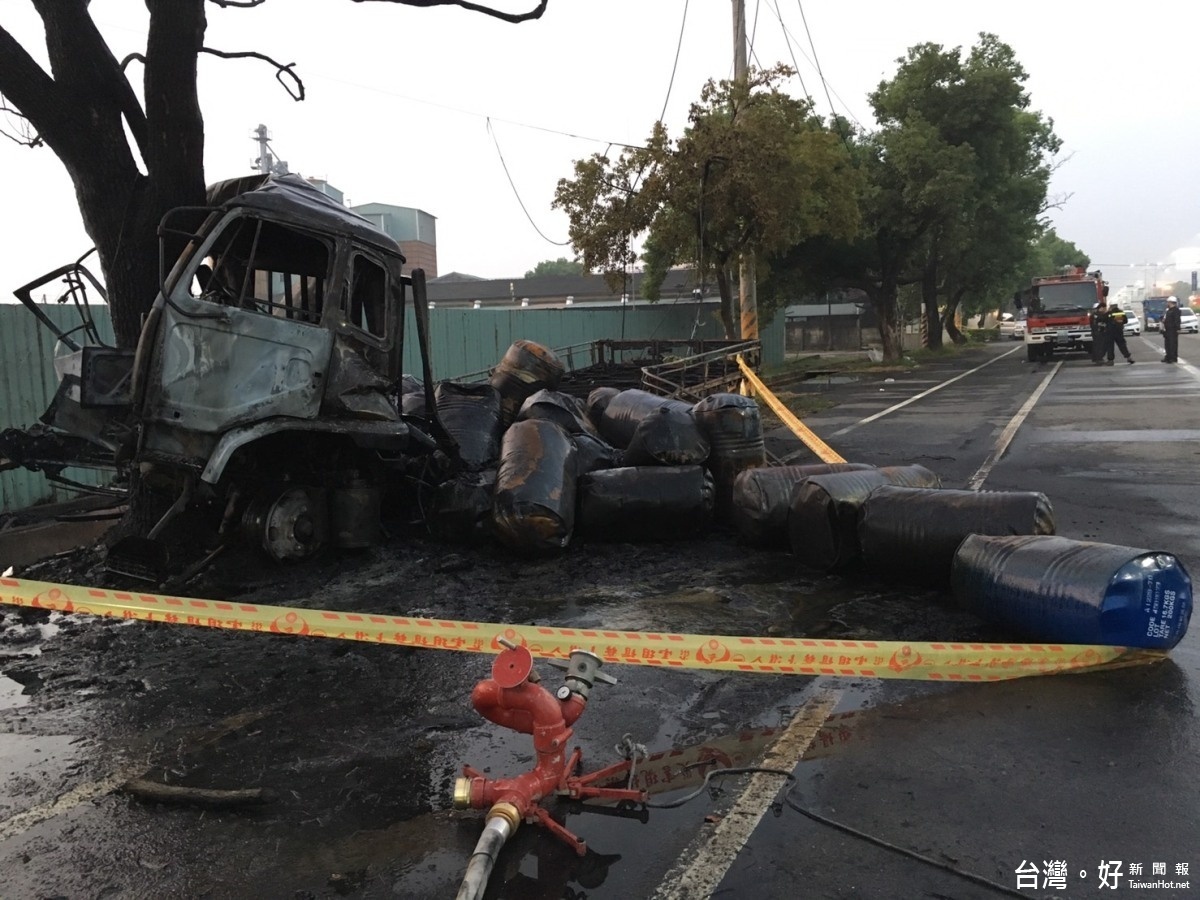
[[263, 396], [1058, 312]]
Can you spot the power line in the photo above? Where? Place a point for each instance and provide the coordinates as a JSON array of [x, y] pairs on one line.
[[787, 40], [517, 193], [816, 62], [674, 65], [479, 115], [790, 38]]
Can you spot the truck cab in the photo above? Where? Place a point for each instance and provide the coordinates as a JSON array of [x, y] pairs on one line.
[[263, 395]]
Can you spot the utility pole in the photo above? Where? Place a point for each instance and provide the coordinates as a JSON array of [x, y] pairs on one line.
[[747, 286]]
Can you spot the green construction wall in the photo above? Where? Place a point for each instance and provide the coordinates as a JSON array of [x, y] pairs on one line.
[[466, 341], [27, 385]]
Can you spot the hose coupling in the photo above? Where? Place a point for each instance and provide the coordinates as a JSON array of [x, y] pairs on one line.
[[462, 793], [508, 812]]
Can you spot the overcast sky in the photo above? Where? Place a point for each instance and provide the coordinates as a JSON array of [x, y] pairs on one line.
[[427, 107]]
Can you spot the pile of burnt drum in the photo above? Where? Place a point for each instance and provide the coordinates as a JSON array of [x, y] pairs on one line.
[[543, 466]]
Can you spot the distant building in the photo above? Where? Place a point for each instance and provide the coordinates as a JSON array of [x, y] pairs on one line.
[[413, 229]]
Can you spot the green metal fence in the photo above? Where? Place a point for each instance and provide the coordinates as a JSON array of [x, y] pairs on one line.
[[469, 340], [27, 385], [461, 341]]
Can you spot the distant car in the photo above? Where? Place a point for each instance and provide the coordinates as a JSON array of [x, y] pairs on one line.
[[1133, 325], [1012, 326], [1188, 320]]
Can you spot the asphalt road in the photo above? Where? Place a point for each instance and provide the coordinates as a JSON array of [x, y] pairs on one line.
[[358, 745]]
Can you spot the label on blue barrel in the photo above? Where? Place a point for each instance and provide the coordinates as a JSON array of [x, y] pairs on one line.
[[1165, 602]]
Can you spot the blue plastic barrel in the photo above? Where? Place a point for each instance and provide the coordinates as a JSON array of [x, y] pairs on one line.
[[1051, 588]]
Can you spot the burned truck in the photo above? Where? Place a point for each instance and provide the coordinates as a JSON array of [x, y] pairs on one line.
[[263, 399]]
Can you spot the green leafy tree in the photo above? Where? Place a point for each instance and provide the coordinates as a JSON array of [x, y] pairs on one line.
[[131, 154], [899, 184], [979, 209], [553, 268], [754, 173], [1047, 254], [953, 182]]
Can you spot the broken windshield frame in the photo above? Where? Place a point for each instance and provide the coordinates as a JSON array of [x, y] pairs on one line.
[[76, 278], [249, 262]]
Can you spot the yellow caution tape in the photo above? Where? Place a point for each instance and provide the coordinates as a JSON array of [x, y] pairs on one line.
[[809, 438], [786, 656]]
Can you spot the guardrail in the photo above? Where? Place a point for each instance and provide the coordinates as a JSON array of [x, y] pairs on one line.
[[709, 372]]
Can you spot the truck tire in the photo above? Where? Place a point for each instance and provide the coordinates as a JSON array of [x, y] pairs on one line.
[[1033, 352]]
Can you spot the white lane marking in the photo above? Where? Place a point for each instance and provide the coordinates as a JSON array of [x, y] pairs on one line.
[[936, 387], [23, 821], [702, 865], [1010, 431]]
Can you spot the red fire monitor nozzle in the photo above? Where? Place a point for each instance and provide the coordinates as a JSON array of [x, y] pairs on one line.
[[513, 698]]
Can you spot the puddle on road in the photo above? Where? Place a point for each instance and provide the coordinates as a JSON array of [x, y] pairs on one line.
[[12, 694], [21, 641], [34, 766]]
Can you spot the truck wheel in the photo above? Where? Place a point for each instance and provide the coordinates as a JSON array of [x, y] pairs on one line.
[[289, 523], [1033, 352]]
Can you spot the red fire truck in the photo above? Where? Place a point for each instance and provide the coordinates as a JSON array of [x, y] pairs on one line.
[[1058, 309]]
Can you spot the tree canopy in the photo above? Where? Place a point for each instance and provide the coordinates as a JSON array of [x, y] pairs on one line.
[[954, 183], [550, 268], [133, 151], [946, 194], [755, 172]]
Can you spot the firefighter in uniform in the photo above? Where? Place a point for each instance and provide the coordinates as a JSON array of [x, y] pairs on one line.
[[1116, 334], [1101, 342], [1170, 331]]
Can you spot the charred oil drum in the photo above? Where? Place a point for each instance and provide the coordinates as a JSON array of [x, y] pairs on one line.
[[533, 508], [526, 368], [911, 533], [760, 499], [471, 414], [597, 402], [1049, 588], [596, 453], [461, 508], [566, 411], [645, 503], [733, 427], [625, 411], [669, 436], [823, 515]]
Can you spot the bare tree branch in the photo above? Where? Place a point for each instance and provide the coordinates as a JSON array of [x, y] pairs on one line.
[[297, 94], [281, 69], [473, 7], [24, 133]]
